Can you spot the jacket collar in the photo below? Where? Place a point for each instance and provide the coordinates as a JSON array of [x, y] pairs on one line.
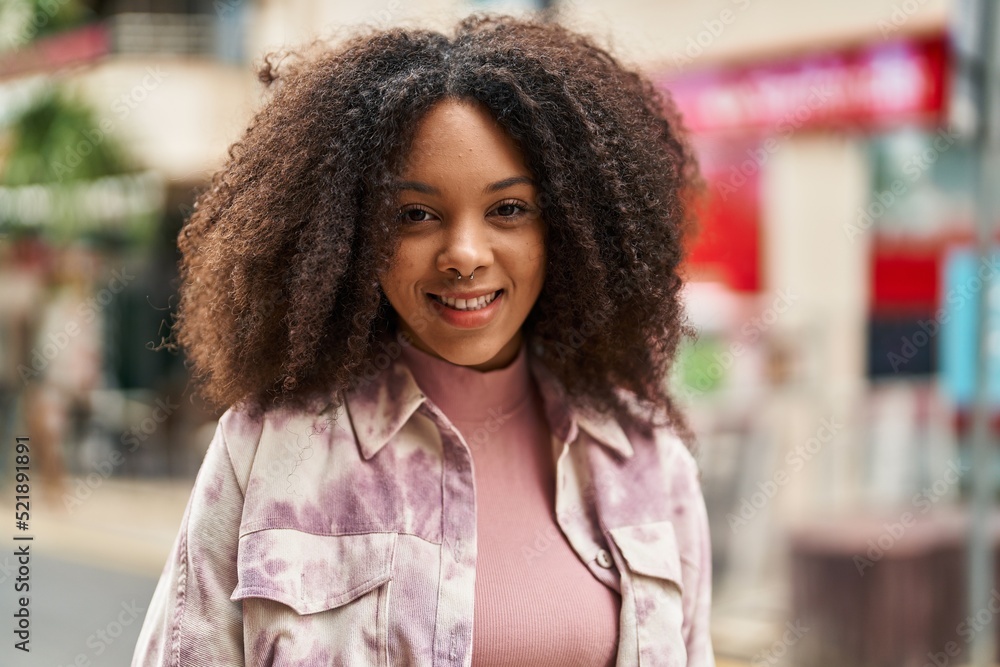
[[380, 406]]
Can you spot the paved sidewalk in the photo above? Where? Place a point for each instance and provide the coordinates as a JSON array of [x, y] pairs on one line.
[[79, 615], [120, 524], [747, 622]]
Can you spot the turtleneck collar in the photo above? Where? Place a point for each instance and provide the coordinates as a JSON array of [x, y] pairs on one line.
[[464, 394]]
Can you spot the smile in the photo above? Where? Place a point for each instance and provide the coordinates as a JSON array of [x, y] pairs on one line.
[[475, 312], [477, 303]]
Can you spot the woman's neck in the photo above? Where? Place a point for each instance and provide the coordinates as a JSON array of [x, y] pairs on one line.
[[466, 394]]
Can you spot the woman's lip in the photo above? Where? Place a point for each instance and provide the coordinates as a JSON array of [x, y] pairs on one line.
[[467, 319]]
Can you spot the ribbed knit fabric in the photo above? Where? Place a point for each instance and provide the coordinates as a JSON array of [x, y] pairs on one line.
[[535, 601]]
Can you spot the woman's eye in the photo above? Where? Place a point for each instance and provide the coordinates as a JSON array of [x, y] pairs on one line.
[[414, 215], [507, 210], [511, 209]]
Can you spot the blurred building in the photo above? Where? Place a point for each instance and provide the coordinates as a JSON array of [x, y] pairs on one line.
[[830, 281], [163, 89]]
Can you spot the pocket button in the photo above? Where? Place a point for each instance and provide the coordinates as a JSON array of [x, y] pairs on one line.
[[604, 559]]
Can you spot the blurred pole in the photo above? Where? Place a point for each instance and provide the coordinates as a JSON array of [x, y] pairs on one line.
[[980, 537]]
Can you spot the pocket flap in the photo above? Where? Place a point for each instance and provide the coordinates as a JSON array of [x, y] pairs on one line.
[[311, 573], [650, 549]]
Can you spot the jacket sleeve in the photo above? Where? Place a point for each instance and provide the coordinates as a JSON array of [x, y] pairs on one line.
[[191, 622], [699, 639]]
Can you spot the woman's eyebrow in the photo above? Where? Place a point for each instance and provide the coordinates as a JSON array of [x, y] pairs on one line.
[[506, 183], [503, 184], [417, 186]]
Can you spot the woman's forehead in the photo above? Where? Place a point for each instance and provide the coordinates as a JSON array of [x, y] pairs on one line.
[[460, 140]]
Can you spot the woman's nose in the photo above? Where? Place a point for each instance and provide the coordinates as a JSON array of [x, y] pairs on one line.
[[466, 247]]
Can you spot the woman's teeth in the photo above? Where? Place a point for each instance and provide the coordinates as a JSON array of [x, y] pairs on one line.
[[467, 304]]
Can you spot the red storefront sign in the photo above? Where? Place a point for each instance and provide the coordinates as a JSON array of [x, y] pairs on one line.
[[867, 87], [737, 114]]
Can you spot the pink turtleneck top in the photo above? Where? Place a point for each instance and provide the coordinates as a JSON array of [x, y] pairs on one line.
[[536, 603]]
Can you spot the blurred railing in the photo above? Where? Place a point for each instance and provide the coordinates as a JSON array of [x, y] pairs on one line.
[[191, 34]]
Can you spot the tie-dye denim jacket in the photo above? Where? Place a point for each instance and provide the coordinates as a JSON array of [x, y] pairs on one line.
[[349, 537]]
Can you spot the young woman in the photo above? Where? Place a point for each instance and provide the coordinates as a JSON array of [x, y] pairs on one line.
[[437, 284]]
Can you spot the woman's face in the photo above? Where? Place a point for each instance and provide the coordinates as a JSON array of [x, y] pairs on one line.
[[468, 204]]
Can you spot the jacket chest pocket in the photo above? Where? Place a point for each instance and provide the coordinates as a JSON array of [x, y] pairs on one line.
[[652, 595], [315, 599]]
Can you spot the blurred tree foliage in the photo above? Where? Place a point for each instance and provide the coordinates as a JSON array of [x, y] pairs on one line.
[[59, 139], [22, 21], [699, 367], [65, 172]]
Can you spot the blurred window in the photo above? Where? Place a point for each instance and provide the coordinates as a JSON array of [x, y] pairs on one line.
[[215, 28], [920, 206], [922, 183]]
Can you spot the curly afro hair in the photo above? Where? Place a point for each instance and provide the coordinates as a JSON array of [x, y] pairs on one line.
[[280, 300]]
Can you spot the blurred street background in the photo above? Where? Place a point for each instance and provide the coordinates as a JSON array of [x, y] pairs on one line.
[[837, 286]]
